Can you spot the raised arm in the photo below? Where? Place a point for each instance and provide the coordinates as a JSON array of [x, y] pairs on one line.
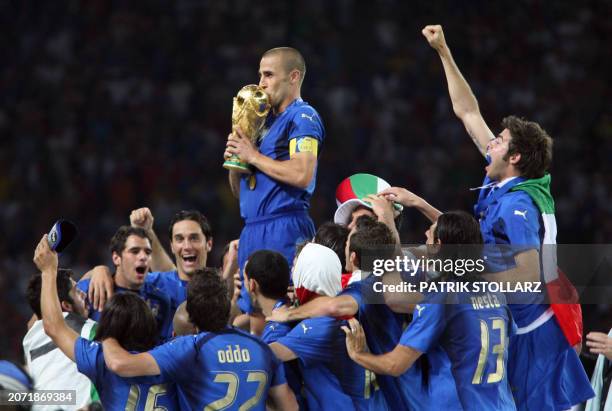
[[53, 319], [393, 363], [464, 102], [160, 260], [124, 364], [339, 306], [409, 199], [298, 171]]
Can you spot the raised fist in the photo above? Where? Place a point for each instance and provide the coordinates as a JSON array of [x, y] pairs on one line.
[[142, 217], [435, 36]]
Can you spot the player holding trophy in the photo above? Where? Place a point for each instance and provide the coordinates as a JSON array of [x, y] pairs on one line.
[[275, 197]]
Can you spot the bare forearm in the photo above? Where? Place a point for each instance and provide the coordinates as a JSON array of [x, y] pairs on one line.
[[429, 211], [464, 102], [379, 364], [526, 269], [459, 90], [324, 306], [160, 260], [53, 319], [296, 172], [125, 364], [234, 182]]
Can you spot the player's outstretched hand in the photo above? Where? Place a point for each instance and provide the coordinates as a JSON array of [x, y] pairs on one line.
[[381, 207], [355, 338], [143, 218], [232, 257], [401, 195], [101, 286], [237, 287], [435, 37], [45, 258], [600, 343]]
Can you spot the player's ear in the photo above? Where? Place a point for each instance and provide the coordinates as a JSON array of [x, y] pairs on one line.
[[116, 258], [253, 286], [294, 76], [354, 260], [514, 158], [66, 306], [209, 244]]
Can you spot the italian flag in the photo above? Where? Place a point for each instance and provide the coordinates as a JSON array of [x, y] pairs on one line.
[[562, 294]]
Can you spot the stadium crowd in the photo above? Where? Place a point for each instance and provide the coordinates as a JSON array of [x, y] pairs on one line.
[[110, 106]]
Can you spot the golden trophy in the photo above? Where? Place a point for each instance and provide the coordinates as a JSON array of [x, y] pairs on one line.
[[250, 108]]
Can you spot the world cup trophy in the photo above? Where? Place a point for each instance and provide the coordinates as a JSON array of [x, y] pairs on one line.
[[250, 108]]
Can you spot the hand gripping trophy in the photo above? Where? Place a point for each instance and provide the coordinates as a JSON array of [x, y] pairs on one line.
[[249, 111]]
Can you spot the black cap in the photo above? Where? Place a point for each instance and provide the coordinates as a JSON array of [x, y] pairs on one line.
[[61, 235]]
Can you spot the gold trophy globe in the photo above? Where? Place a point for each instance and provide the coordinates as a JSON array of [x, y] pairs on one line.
[[250, 108]]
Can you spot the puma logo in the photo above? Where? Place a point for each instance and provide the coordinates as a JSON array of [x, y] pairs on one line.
[[306, 328], [311, 118], [521, 213], [419, 308]]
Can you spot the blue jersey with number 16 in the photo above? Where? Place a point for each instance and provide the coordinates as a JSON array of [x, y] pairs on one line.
[[119, 393], [227, 369]]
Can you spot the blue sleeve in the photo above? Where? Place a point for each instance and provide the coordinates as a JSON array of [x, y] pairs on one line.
[[175, 358], [428, 323], [314, 341], [89, 358], [274, 330], [355, 291], [521, 221], [306, 123], [279, 373]]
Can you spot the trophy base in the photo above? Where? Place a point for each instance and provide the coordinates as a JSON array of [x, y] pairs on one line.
[[237, 165]]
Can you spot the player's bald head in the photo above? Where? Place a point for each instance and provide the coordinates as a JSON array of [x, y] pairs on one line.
[[291, 59], [181, 323]]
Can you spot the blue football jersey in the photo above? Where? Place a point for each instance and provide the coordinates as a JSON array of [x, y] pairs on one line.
[[473, 329], [170, 284], [511, 223], [331, 379], [156, 299], [229, 368], [428, 384], [118, 393], [298, 128]]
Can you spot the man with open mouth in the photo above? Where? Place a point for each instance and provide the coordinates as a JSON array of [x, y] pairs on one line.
[[131, 254]]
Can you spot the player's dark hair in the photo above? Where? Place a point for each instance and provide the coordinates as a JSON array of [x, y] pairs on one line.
[[208, 302], [532, 142], [457, 227], [333, 236], [117, 242], [461, 239], [371, 240], [271, 271], [292, 60], [128, 319], [64, 285], [193, 215]]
